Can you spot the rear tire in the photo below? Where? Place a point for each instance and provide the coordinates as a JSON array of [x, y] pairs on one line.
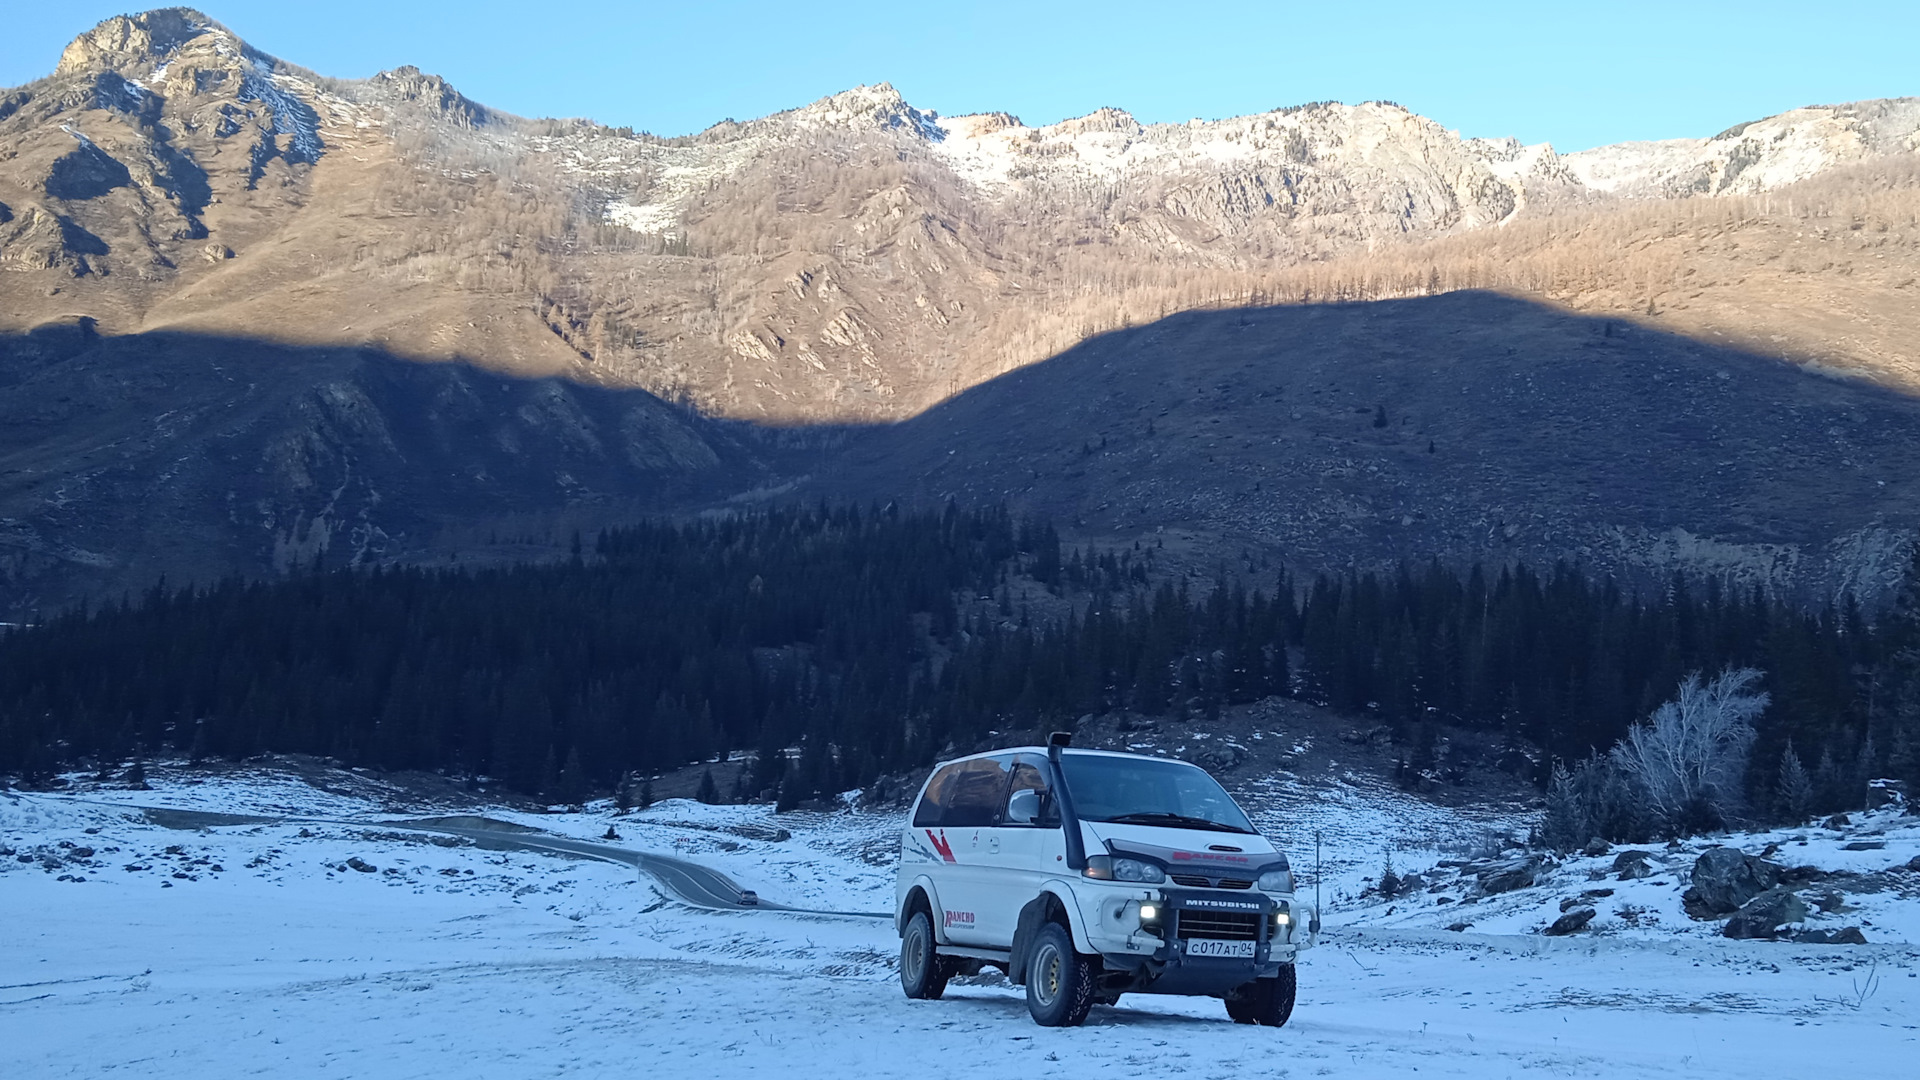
[[1267, 1002], [923, 973], [1059, 979]]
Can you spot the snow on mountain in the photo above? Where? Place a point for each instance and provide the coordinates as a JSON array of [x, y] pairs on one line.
[[1294, 162], [1754, 157]]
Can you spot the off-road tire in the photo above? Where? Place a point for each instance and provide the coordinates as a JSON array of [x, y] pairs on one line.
[[1059, 979], [1267, 1002], [923, 972]]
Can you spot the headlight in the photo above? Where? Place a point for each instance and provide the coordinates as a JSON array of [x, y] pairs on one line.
[[1276, 881], [1108, 868]]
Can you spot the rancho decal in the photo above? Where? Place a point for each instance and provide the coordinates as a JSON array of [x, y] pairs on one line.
[[945, 849], [964, 918]]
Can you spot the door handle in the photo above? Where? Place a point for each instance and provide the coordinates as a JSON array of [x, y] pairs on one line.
[[993, 845]]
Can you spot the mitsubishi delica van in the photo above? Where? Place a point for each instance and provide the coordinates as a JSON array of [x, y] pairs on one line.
[[1085, 875]]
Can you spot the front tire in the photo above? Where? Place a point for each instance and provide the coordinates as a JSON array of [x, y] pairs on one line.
[[1059, 979], [923, 974], [1267, 1002]]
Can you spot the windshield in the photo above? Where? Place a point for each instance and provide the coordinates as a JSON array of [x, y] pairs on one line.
[[1146, 791]]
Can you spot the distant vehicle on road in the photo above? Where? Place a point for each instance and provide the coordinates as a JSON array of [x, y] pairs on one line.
[[1085, 875], [749, 898]]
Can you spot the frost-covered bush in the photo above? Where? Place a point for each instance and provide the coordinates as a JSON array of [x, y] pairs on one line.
[[1680, 771], [1689, 759]]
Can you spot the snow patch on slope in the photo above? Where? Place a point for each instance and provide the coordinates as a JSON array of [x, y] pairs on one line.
[[1754, 157]]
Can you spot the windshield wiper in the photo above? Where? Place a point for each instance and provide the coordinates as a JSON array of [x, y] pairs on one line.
[[1161, 817]]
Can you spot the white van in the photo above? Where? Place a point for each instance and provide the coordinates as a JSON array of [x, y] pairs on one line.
[[1086, 875]]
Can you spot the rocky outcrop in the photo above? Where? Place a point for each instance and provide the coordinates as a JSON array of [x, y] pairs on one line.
[[430, 92], [1726, 878], [127, 41], [39, 239]]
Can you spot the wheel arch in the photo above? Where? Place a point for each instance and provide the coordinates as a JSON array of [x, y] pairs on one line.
[[1055, 904], [920, 896]]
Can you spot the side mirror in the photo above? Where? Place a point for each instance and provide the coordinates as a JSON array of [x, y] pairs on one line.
[[1024, 807]]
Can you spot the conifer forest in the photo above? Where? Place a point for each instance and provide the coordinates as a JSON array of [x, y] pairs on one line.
[[836, 645]]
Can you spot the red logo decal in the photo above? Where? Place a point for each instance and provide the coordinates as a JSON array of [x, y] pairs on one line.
[[959, 917], [940, 844], [1188, 856]]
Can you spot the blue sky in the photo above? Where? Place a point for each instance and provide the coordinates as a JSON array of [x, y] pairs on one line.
[[1577, 75]]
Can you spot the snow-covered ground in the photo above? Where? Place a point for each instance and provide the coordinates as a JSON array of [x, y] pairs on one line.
[[1865, 882], [258, 948]]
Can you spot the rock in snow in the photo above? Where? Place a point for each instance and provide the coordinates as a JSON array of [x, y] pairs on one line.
[[1570, 922], [1508, 876], [1724, 878], [1764, 916]]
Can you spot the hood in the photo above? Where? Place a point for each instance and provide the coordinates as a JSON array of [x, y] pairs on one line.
[[1175, 848]]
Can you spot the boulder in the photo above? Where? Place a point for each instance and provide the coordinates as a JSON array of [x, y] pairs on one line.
[[1914, 864], [1802, 875], [1508, 876], [1222, 758], [1570, 922], [1634, 871], [1595, 848], [1764, 916], [1725, 878], [1459, 927], [1596, 894], [361, 865], [1849, 936], [1621, 860], [1838, 821], [1864, 845]]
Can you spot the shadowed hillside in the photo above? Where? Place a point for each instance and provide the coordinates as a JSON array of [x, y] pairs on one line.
[[1464, 426], [125, 458]]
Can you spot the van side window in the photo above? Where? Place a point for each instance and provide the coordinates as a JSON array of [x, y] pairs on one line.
[[929, 812], [975, 795], [1028, 777]]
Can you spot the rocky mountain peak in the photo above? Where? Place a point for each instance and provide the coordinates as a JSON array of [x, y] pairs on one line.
[[879, 106], [135, 42], [1105, 118], [409, 83]]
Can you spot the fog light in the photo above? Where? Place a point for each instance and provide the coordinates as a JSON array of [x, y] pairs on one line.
[[1148, 913], [1281, 918]]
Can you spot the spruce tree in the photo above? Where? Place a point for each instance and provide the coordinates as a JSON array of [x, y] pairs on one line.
[[1793, 790], [646, 793], [571, 785], [709, 792]]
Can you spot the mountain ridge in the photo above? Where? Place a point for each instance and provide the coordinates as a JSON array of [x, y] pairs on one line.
[[787, 285]]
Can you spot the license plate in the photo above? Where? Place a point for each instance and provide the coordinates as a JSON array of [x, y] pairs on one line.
[[1211, 947]]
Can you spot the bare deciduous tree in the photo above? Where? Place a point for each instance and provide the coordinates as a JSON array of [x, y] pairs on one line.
[[1690, 756]]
